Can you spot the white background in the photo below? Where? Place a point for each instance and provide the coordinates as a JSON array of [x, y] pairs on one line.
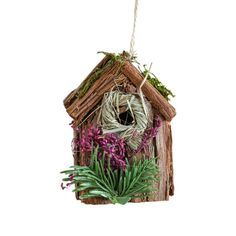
[[47, 47]]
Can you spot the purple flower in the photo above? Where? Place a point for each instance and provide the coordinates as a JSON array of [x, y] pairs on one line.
[[67, 185], [71, 176], [62, 186], [110, 144], [149, 134]]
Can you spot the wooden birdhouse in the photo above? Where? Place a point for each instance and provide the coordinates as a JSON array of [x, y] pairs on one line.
[[118, 99]]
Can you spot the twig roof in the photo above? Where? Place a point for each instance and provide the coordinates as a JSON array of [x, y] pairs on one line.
[[102, 79]]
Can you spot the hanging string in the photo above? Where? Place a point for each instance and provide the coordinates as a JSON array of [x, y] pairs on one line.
[[131, 50], [132, 54]]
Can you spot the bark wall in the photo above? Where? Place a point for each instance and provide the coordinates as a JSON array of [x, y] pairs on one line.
[[163, 150]]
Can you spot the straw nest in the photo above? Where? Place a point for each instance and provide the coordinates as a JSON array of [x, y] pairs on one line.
[[125, 114]]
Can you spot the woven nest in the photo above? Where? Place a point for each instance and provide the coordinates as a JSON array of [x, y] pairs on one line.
[[125, 114]]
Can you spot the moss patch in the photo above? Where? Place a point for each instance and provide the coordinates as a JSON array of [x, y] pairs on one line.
[[156, 83], [98, 71]]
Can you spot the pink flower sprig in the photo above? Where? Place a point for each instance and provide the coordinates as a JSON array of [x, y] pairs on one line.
[[110, 144], [148, 135], [71, 178]]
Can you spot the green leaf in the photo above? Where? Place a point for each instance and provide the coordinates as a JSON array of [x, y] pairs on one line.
[[100, 193], [121, 200], [84, 186], [87, 195], [121, 179]]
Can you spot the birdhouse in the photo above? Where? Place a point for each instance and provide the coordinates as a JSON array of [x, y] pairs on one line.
[[119, 100]]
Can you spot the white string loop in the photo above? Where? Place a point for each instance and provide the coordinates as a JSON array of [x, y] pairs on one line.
[[132, 41]]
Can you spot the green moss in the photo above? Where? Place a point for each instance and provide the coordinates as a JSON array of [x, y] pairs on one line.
[[98, 71], [156, 83], [115, 57], [86, 86]]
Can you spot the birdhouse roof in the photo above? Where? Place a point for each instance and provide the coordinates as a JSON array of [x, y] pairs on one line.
[[110, 72]]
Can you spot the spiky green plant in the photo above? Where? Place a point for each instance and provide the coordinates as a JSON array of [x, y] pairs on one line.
[[119, 186]]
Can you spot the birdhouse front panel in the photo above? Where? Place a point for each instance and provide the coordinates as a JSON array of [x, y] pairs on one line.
[[122, 143]]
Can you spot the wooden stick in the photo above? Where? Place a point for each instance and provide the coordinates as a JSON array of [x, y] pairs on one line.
[[72, 96], [157, 100], [104, 84]]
